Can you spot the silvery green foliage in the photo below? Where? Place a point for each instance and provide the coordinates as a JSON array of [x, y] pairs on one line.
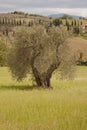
[[40, 50]]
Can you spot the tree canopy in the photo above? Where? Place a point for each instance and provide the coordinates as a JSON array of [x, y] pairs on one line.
[[42, 51], [3, 49]]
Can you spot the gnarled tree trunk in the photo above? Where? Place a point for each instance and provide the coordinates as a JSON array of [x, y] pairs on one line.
[[43, 80]]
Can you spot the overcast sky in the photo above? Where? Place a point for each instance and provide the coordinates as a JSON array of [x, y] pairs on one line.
[[45, 7]]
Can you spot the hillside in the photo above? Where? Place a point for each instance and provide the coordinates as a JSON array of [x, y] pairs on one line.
[[23, 16], [78, 45], [8, 21]]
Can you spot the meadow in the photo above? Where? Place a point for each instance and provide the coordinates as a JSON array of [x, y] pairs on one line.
[[23, 107]]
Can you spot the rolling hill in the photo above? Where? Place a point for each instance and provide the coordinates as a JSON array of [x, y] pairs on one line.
[[78, 45]]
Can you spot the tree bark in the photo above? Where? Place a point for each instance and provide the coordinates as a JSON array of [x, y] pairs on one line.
[[43, 80], [36, 76]]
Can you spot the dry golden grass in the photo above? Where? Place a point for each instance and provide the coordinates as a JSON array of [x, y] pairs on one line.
[[63, 108]]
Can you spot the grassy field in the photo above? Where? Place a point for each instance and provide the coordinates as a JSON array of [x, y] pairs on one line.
[[25, 108]]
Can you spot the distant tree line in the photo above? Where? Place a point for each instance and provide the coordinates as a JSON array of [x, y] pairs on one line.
[[18, 12], [65, 16], [73, 24], [19, 22], [10, 21]]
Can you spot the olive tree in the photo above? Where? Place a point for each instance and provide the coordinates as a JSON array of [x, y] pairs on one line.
[[3, 49], [41, 51]]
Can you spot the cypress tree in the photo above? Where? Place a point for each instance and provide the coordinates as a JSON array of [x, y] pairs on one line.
[[72, 24], [75, 22]]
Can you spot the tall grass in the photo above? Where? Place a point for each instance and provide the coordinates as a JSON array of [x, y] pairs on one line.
[[25, 108]]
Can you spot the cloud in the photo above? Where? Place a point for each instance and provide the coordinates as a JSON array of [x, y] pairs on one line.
[[47, 11], [47, 3], [45, 6]]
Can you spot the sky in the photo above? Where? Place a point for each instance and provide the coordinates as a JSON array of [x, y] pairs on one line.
[[45, 7]]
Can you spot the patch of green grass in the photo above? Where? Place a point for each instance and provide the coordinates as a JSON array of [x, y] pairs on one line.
[[25, 108], [79, 80], [7, 82]]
